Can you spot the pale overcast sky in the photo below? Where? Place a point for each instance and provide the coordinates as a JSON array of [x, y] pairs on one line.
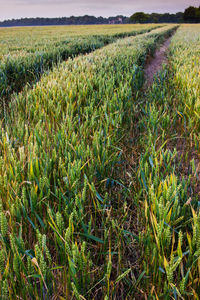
[[57, 8]]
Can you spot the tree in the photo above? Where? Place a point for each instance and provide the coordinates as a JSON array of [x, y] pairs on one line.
[[192, 14], [139, 17]]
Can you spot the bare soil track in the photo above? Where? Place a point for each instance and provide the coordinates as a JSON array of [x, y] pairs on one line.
[[154, 64], [153, 67], [132, 155]]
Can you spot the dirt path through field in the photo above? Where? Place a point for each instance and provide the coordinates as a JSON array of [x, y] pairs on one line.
[[154, 64]]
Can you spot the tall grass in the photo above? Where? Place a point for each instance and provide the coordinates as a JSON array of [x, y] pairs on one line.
[[62, 224]]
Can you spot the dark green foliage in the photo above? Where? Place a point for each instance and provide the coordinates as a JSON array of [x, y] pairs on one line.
[[192, 15]]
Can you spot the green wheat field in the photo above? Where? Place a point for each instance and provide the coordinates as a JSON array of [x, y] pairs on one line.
[[99, 173]]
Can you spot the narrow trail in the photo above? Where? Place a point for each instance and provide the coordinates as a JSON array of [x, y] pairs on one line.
[[132, 150], [154, 64], [153, 67], [164, 137]]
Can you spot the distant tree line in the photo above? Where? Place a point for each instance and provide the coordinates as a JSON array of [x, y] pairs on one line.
[[143, 18], [190, 15], [82, 20]]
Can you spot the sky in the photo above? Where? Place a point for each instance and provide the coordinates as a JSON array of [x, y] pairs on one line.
[[64, 8]]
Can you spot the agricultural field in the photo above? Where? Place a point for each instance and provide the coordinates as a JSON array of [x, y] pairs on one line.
[[99, 172], [23, 40], [27, 53]]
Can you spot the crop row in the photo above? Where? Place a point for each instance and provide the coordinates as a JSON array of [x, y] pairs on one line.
[[24, 40], [169, 176], [16, 71], [62, 224]]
